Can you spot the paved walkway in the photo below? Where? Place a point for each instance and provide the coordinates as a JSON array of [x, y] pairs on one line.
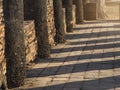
[[90, 60]]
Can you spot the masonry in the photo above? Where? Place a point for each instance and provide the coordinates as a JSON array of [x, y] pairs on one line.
[[30, 44], [89, 60], [2, 44], [30, 32], [29, 14]]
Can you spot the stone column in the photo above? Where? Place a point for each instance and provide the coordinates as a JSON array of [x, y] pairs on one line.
[[14, 42], [59, 23], [44, 24], [69, 15], [79, 11]]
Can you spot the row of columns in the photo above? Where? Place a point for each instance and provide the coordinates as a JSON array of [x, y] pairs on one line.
[[14, 35]]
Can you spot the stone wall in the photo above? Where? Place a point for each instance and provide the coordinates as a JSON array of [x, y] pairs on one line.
[[30, 41], [50, 19], [90, 11], [2, 46], [2, 57]]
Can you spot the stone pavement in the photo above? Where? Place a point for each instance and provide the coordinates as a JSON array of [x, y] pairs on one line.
[[90, 60]]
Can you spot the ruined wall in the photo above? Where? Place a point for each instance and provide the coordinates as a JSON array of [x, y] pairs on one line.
[[2, 46], [50, 20], [30, 41]]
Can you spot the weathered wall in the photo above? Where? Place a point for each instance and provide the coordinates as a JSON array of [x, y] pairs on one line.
[[50, 19], [90, 11], [112, 11], [2, 57], [2, 45], [30, 41]]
